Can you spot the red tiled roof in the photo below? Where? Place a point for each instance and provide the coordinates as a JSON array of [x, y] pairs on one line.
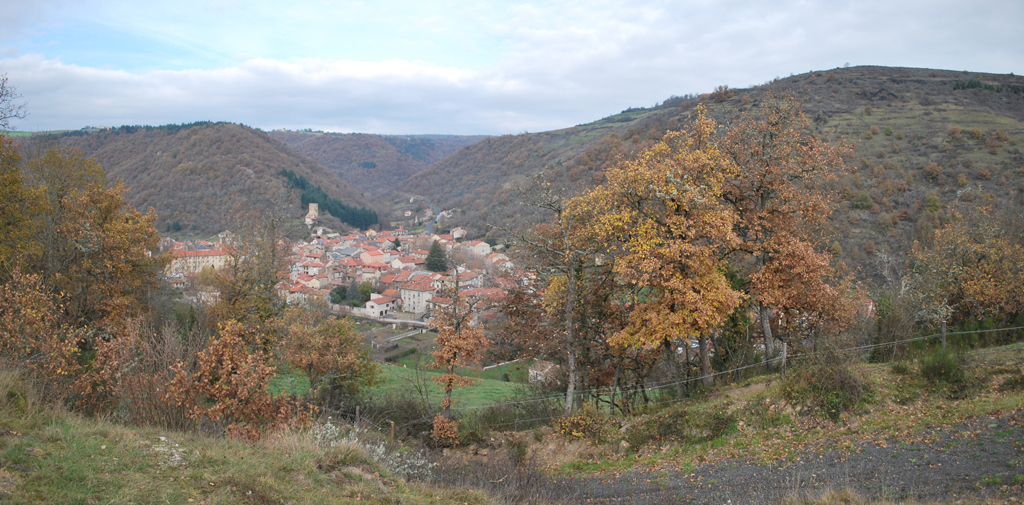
[[192, 254]]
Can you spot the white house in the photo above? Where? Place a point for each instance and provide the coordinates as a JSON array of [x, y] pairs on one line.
[[415, 296], [478, 247], [380, 306]]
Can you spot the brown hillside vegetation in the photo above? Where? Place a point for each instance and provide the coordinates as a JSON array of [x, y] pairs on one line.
[[923, 139], [203, 175], [374, 163]]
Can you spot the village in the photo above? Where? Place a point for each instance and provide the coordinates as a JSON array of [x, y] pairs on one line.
[[378, 278]]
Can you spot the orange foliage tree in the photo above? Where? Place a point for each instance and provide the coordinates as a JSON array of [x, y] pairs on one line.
[[327, 349], [88, 244], [779, 194], [663, 213], [459, 343], [33, 333], [17, 202], [230, 386], [973, 269]]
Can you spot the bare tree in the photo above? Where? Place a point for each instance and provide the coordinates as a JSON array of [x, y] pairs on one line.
[[560, 248], [10, 108]]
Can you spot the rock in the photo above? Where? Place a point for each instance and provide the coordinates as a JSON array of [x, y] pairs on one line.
[[483, 452], [624, 445]]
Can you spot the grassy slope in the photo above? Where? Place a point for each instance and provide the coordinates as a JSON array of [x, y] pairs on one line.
[[49, 456], [895, 398]]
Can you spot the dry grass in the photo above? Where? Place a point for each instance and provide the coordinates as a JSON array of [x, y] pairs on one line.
[[46, 452]]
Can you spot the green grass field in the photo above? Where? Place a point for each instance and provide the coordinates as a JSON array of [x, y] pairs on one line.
[[397, 380]]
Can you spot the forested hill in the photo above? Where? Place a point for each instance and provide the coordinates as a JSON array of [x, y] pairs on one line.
[[205, 175], [374, 163], [923, 139]]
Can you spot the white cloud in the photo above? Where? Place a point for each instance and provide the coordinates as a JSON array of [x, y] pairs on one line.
[[526, 66]]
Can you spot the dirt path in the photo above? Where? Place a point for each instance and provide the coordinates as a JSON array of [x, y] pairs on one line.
[[979, 458]]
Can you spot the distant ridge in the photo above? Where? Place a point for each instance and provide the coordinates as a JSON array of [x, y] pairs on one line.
[[374, 163], [204, 175], [900, 120]]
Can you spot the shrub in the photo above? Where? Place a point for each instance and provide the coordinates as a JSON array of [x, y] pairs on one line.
[[230, 386], [949, 372], [862, 201], [585, 424], [888, 131], [686, 424], [825, 387]]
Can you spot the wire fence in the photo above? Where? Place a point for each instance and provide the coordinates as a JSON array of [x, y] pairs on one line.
[[665, 385]]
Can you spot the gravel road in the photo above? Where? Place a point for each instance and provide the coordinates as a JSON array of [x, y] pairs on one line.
[[962, 461]]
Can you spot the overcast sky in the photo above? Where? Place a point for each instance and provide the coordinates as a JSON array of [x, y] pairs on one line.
[[464, 67]]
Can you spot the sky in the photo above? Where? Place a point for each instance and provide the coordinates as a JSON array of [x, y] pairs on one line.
[[456, 67]]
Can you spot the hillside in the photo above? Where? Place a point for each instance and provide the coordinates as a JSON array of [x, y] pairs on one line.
[[916, 133], [204, 175], [49, 455], [374, 163]]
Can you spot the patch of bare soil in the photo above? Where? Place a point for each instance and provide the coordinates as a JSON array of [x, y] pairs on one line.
[[982, 458]]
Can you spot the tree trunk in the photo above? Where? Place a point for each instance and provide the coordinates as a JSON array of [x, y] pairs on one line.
[[766, 328], [570, 344], [674, 363], [705, 361], [615, 385], [943, 335], [686, 354]]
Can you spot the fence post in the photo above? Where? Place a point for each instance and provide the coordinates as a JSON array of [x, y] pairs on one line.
[[943, 335], [784, 359], [392, 431], [357, 416]]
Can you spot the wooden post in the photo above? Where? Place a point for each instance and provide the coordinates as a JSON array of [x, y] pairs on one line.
[[943, 335], [357, 416], [784, 348], [392, 431]]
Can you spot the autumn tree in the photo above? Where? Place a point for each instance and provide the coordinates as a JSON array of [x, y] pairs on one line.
[[34, 334], [664, 211], [779, 196], [327, 349], [459, 343], [17, 204], [973, 269], [230, 385], [87, 243], [561, 248], [246, 285]]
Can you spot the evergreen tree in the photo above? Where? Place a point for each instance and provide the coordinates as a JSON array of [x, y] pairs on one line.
[[398, 244], [339, 294], [436, 260], [353, 292]]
